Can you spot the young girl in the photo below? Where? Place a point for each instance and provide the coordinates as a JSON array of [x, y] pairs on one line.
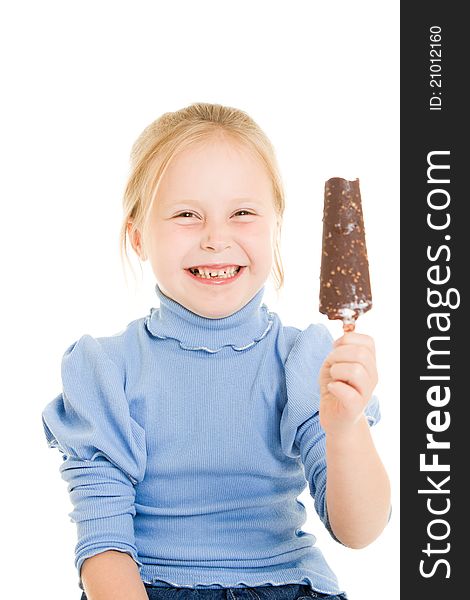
[[187, 437]]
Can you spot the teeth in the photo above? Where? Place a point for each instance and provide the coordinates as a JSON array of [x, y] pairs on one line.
[[212, 273]]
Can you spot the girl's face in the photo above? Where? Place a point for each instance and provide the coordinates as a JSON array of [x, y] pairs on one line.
[[214, 212]]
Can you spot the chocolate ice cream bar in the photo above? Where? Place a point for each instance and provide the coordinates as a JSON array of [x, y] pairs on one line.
[[344, 280]]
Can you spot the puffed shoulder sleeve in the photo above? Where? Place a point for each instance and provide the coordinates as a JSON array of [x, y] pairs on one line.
[[301, 433], [103, 448]]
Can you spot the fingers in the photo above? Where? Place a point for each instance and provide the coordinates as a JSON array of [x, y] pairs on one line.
[[348, 395], [353, 374], [352, 363], [356, 354], [358, 339]]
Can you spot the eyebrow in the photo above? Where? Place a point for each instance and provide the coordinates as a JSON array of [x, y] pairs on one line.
[[241, 199], [182, 203]]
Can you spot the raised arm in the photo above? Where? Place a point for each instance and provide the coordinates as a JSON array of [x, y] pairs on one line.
[[357, 486]]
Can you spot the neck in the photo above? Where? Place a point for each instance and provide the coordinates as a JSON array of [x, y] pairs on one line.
[[240, 330]]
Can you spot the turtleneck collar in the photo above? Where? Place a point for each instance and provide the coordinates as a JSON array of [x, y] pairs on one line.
[[241, 330]]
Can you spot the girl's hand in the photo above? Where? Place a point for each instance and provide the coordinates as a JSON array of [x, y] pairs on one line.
[[347, 379]]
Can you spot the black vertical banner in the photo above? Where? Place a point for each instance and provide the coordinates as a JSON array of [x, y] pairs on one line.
[[434, 261]]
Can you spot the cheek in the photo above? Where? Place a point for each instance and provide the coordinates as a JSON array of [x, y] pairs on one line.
[[262, 231], [171, 241], [259, 243]]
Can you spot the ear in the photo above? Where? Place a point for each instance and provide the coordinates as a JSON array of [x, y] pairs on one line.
[[135, 239]]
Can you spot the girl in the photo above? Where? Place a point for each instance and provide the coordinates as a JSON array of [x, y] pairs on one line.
[[187, 437]]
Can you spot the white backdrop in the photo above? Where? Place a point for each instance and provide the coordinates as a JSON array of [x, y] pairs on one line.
[[80, 81]]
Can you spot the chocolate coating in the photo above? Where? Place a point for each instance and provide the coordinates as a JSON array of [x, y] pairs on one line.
[[344, 280]]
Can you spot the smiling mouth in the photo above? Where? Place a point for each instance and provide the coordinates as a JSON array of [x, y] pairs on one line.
[[211, 273]]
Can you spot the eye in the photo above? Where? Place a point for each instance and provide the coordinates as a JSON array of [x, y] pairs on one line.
[[185, 214], [246, 212]]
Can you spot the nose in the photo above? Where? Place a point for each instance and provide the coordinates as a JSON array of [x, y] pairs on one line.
[[215, 238]]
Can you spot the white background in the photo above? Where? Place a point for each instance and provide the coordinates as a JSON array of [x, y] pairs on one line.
[[80, 81]]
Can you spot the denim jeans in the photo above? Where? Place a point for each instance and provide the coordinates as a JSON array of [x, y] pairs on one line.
[[291, 591]]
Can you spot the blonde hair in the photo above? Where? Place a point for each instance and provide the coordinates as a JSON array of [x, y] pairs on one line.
[[172, 133]]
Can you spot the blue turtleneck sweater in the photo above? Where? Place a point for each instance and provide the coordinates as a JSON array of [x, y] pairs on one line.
[[185, 442]]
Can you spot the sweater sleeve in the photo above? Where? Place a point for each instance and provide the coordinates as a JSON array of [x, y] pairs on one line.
[[301, 433], [103, 448]]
